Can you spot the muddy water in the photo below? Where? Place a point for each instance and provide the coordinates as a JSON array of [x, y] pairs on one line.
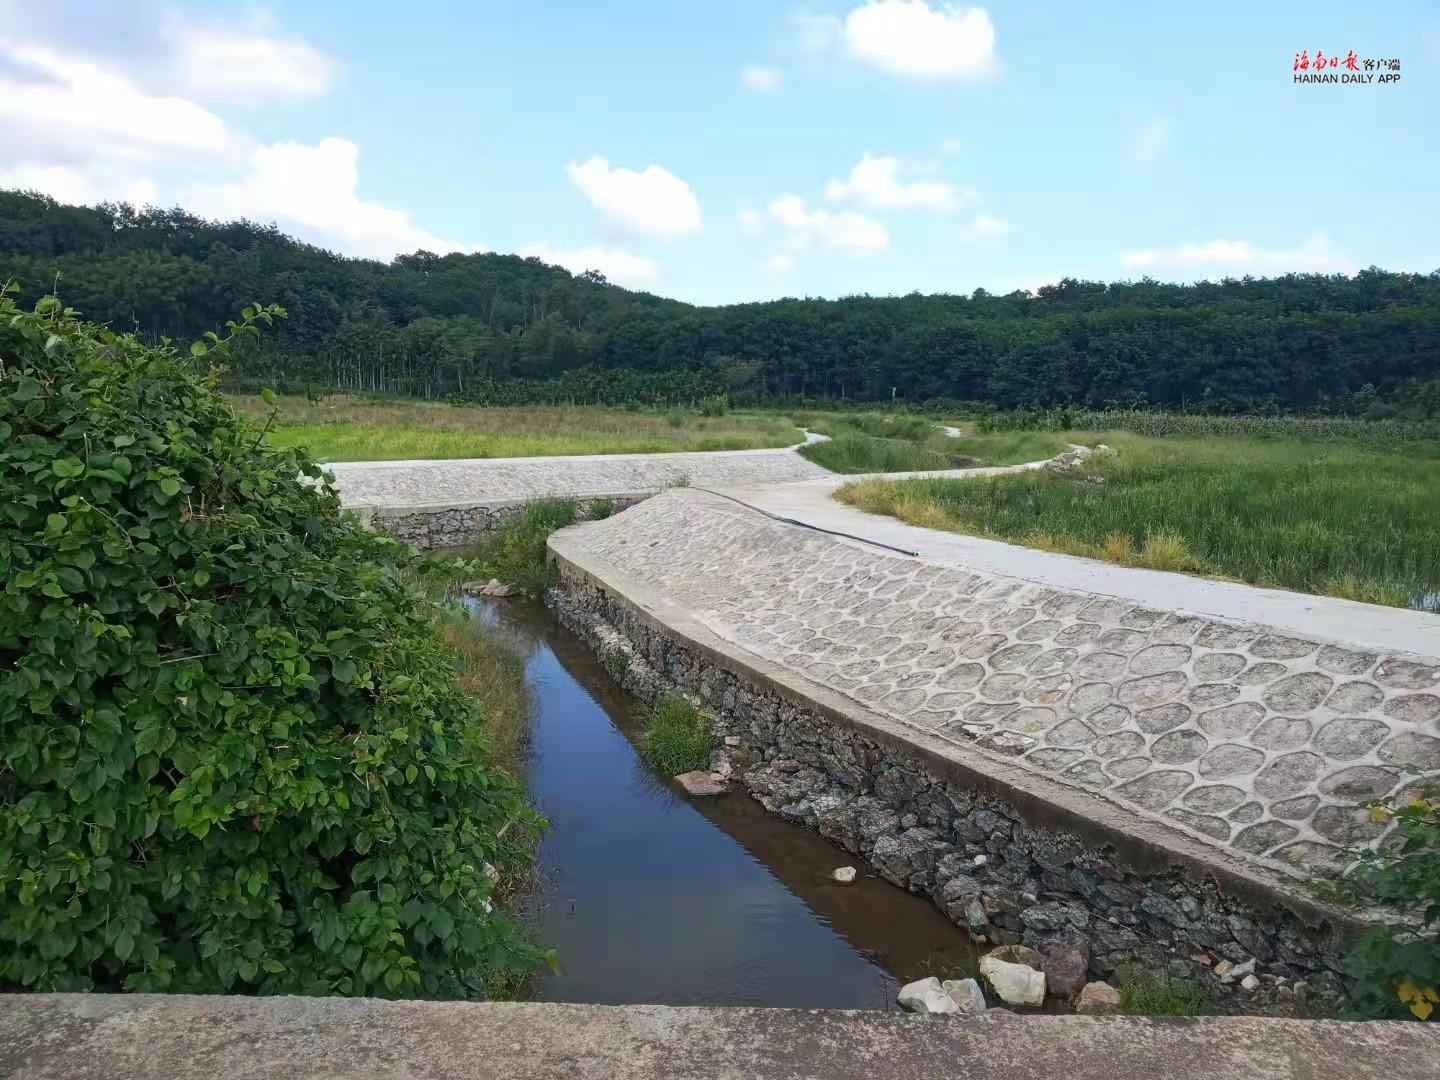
[[649, 896]]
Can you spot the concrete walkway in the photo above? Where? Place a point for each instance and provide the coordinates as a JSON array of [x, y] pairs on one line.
[[465, 482], [153, 1037], [1326, 618]]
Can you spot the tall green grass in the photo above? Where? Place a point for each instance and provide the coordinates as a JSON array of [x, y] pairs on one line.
[[515, 551], [1380, 434], [896, 442], [677, 737], [1144, 994], [855, 453], [342, 428], [1331, 517]]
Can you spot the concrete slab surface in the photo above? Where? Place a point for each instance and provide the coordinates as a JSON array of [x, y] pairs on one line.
[[154, 1037]]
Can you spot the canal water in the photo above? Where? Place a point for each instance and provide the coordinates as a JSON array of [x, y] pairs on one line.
[[650, 896]]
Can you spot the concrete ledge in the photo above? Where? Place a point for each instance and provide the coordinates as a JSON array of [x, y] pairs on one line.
[[157, 1037]]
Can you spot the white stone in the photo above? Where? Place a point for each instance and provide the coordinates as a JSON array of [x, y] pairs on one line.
[[1235, 972], [981, 860], [926, 996], [701, 782], [966, 994], [1250, 982], [493, 587], [1096, 999], [844, 874], [1014, 984]]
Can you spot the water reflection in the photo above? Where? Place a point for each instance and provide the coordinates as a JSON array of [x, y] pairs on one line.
[[650, 898]]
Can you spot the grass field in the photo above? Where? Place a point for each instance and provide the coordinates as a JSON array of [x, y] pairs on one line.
[[341, 428], [878, 442], [1339, 517]]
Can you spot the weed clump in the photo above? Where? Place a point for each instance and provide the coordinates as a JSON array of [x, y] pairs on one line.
[[677, 737]]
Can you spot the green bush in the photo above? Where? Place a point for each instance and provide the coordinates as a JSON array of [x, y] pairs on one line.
[[1397, 969], [515, 552], [233, 756], [714, 405], [677, 737], [1143, 993]]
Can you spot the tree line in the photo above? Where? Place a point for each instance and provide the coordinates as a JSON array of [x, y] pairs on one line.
[[492, 327]]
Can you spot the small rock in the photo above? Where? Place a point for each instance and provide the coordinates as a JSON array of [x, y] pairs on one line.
[[1203, 958], [1097, 999], [1017, 954], [1223, 968], [845, 875], [732, 740], [1249, 982], [981, 860], [1235, 972], [493, 587], [966, 994], [1014, 984], [976, 919], [926, 996], [1064, 965], [701, 782]]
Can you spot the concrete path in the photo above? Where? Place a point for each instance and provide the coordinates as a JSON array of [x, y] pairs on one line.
[[1322, 617], [458, 482], [153, 1037]]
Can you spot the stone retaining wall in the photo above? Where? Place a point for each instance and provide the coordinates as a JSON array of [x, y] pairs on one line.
[[432, 527], [1006, 868]]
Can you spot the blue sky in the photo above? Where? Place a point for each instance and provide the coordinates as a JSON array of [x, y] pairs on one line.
[[742, 150]]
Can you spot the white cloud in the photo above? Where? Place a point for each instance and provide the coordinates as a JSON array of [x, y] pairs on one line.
[[908, 39], [1229, 257], [752, 222], [846, 231], [60, 108], [77, 186], [1150, 141], [618, 265], [165, 50], [78, 123], [211, 63], [780, 264], [762, 80], [985, 228], [652, 202], [875, 183], [312, 189], [951, 145]]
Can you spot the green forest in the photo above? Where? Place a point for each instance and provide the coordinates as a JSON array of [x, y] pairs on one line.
[[501, 329]]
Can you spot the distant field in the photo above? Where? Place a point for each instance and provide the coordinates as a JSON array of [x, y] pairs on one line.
[[881, 442], [340, 428], [1351, 517]]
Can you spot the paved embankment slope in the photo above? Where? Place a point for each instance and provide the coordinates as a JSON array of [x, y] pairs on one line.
[[154, 1037], [1205, 708]]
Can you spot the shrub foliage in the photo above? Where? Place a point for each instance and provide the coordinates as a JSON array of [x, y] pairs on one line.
[[233, 756], [1397, 969]]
